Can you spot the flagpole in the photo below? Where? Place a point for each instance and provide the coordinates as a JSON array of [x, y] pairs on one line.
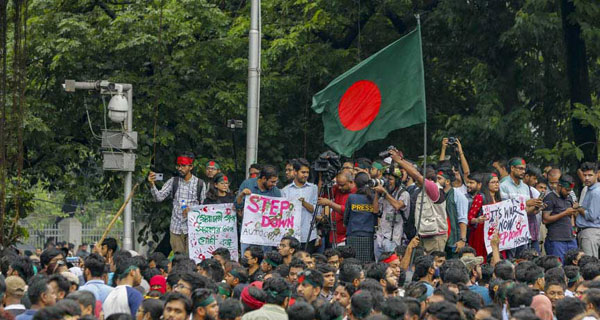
[[423, 189]]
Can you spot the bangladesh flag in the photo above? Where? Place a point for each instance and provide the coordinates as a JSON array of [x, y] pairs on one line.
[[383, 93]]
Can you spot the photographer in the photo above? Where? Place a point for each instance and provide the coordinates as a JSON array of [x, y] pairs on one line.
[[307, 193], [186, 191], [341, 190], [455, 142], [433, 227], [360, 218], [394, 206]]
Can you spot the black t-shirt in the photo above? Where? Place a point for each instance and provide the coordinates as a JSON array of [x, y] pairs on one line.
[[560, 230], [226, 199]]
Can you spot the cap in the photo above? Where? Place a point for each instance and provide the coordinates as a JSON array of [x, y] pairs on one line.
[[70, 276], [377, 165], [15, 286], [471, 262]]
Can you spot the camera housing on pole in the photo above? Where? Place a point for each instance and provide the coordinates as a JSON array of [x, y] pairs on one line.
[[118, 144]]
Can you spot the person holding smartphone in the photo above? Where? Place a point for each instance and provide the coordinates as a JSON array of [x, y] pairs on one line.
[[186, 190]]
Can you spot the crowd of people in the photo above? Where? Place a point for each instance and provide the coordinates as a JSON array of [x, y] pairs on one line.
[[389, 241]]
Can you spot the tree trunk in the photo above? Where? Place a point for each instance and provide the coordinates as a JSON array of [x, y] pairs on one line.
[[578, 77]]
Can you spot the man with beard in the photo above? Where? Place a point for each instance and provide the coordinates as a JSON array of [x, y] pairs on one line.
[[307, 193], [341, 190], [204, 305], [186, 190], [514, 188], [290, 174], [473, 186], [588, 219], [557, 217], [265, 184], [456, 209]]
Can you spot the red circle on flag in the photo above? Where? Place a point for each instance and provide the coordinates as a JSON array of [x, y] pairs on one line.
[[359, 105]]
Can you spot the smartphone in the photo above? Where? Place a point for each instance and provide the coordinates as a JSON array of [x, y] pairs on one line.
[[73, 259], [158, 177]]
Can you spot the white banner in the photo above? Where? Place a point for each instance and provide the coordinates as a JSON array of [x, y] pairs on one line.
[[268, 219], [210, 227], [509, 219]]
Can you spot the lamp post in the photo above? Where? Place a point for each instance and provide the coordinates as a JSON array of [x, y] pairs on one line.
[[253, 85], [120, 110]]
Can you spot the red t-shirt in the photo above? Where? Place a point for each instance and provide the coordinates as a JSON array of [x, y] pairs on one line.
[[339, 198]]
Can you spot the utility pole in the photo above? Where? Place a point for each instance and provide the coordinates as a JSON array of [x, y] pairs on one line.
[[253, 85], [120, 110]]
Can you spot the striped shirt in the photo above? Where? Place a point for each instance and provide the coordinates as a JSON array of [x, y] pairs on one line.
[[186, 190]]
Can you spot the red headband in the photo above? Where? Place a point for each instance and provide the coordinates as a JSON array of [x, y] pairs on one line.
[[249, 300], [186, 161], [225, 178], [391, 258], [301, 279], [356, 164]]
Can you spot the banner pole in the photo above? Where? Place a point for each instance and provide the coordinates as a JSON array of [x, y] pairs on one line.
[[423, 189]]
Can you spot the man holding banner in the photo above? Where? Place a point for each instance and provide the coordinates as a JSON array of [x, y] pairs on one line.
[[307, 193], [514, 188], [265, 184]]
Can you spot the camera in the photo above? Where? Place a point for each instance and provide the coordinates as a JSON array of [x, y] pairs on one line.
[[328, 164], [386, 153], [451, 140], [321, 165], [375, 182], [158, 177]]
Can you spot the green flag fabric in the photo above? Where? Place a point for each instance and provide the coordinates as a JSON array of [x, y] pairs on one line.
[[383, 93]]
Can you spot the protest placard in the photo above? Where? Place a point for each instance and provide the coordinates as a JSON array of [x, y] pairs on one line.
[[509, 219], [268, 219], [210, 227]]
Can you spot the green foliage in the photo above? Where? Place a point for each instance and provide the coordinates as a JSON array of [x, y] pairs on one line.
[[495, 77]]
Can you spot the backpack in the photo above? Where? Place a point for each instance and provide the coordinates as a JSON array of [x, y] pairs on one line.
[[409, 224], [200, 189]]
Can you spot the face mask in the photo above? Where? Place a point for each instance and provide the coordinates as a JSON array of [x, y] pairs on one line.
[[244, 262]]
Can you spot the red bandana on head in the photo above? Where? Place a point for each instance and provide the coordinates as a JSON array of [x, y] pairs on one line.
[[440, 173], [186, 161], [356, 164], [391, 258]]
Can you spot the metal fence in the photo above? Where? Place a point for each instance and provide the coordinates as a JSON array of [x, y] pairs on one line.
[[91, 233], [38, 238]]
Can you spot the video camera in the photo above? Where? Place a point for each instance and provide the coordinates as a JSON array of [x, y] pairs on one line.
[[328, 164]]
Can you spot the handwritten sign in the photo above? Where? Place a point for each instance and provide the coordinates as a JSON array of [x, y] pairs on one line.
[[268, 219], [210, 227], [509, 218]]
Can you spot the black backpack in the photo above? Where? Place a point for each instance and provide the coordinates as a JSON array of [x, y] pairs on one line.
[[199, 189], [409, 224]]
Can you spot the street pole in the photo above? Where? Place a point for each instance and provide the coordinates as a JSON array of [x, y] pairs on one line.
[[127, 216], [253, 85], [127, 145]]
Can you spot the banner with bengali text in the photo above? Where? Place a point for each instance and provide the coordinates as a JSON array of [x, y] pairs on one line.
[[210, 227], [268, 219], [509, 219]]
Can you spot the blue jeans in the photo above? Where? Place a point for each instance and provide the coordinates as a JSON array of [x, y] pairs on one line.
[[559, 248]]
